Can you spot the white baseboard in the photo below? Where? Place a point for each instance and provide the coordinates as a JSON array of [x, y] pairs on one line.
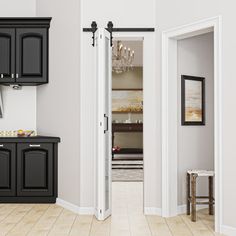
[[74, 208], [183, 208], [152, 211], [228, 230], [86, 211], [157, 211], [147, 210]]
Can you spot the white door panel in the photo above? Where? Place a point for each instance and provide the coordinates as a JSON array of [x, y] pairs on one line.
[[104, 149]]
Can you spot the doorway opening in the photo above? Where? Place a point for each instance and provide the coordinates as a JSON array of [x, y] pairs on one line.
[[127, 125], [170, 114], [103, 137]]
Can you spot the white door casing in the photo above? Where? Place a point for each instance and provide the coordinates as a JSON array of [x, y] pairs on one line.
[[169, 113]]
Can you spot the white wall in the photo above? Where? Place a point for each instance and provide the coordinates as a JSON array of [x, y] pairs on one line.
[[176, 13], [58, 101], [19, 106], [164, 14], [168, 14], [196, 143]]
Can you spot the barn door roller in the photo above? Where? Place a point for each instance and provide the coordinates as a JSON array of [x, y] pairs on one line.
[[109, 29]]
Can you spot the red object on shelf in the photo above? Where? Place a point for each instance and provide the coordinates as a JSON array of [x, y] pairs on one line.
[[116, 149]]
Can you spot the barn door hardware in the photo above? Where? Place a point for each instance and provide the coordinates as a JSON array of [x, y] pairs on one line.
[[110, 29], [93, 29]]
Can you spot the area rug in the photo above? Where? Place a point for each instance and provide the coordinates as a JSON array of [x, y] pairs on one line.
[[126, 175], [127, 171]]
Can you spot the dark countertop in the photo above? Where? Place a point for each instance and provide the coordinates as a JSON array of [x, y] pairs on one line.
[[35, 139]]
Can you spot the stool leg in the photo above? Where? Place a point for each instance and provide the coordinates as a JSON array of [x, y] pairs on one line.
[[211, 209], [193, 197], [188, 194]]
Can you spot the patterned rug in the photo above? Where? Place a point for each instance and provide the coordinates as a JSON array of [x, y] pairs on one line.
[[127, 171], [126, 175]]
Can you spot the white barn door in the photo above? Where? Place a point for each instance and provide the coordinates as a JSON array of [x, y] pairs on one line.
[[103, 136]]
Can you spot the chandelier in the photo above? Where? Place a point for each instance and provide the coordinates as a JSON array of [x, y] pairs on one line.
[[122, 58]]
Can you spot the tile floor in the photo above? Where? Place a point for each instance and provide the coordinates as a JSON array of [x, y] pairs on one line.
[[127, 219]]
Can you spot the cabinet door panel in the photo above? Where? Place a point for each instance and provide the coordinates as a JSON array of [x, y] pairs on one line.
[[35, 170], [31, 55], [7, 170], [7, 55]]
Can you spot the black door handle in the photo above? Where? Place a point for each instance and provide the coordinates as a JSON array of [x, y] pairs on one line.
[[107, 123]]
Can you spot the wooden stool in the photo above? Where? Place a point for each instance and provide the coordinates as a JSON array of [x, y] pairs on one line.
[[192, 199]]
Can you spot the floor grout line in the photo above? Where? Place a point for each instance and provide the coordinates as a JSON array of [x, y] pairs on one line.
[[149, 225], [186, 225], [55, 221], [168, 226], [73, 224], [208, 227], [91, 224]]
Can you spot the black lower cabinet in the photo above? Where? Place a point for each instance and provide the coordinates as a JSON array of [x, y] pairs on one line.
[[8, 169], [35, 169], [28, 170]]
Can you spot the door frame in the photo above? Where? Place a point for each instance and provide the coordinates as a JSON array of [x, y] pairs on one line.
[[169, 112]]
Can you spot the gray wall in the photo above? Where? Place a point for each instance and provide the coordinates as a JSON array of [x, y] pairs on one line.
[[132, 79], [129, 80], [58, 102], [196, 143]]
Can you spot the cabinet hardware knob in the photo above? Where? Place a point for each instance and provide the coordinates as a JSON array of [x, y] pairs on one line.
[[34, 145], [1, 145], [1, 76], [12, 76]]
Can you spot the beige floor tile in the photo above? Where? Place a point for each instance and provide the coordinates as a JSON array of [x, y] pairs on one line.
[[81, 226], [158, 226], [63, 223], [13, 218], [197, 228], [100, 228], [127, 219], [6, 209], [178, 227], [120, 232], [29, 220], [46, 222]]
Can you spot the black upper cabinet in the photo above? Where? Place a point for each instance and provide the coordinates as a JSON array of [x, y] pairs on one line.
[[31, 55], [7, 55], [7, 169], [24, 50]]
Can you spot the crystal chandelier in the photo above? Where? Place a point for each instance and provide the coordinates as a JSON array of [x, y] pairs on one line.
[[122, 58]]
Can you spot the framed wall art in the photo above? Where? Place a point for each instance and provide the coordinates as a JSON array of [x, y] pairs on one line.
[[192, 100], [127, 100]]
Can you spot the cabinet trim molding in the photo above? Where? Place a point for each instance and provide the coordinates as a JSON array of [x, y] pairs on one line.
[[25, 22]]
